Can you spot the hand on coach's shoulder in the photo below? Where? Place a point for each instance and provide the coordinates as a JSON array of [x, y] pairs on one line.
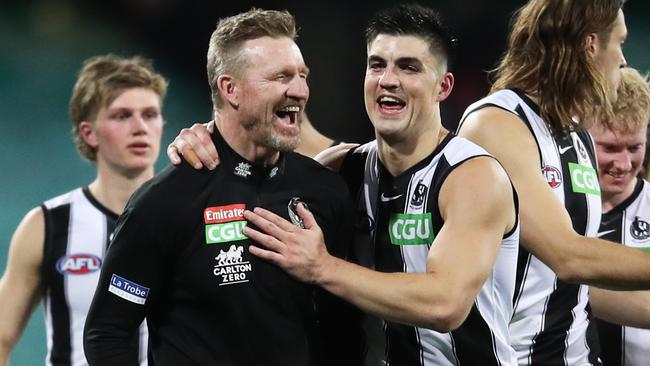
[[333, 157], [195, 145]]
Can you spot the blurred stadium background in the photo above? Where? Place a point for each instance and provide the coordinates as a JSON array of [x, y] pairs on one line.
[[42, 44]]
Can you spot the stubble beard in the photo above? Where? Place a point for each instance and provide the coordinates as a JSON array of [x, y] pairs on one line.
[[265, 135]]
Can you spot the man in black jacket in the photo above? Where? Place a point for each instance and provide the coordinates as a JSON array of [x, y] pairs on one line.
[[179, 257]]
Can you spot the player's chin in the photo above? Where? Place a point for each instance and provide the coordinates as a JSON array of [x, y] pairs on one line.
[[141, 163], [285, 143]]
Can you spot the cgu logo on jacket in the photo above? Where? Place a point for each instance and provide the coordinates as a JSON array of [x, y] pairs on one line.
[[78, 264], [224, 223]]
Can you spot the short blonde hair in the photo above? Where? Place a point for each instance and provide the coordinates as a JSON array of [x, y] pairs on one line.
[[632, 108], [100, 81], [224, 56]]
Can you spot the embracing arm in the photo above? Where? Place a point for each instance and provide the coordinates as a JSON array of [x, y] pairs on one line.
[[546, 229], [332, 158], [20, 284], [195, 145], [458, 263], [631, 308]]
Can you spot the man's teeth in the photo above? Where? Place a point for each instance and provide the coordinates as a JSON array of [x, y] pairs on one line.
[[389, 100], [289, 109]]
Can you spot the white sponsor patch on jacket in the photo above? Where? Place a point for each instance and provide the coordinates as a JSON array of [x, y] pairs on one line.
[[128, 290]]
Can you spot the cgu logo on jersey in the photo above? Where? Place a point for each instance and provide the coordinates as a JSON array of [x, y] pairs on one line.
[[411, 229], [640, 230], [78, 264], [584, 179], [552, 175], [224, 223]]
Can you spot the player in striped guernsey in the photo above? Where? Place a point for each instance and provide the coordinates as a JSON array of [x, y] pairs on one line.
[[560, 71], [443, 244], [58, 248], [626, 218]]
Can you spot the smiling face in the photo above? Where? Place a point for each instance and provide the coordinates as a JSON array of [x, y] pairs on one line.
[[403, 85], [127, 132], [272, 92], [620, 158], [609, 56]]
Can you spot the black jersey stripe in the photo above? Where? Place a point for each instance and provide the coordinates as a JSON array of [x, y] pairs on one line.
[[549, 345], [407, 351], [576, 203], [522, 115], [474, 341], [56, 242], [523, 263], [592, 339], [612, 350]]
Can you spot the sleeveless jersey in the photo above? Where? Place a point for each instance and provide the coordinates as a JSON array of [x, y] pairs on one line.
[[399, 218], [77, 232], [629, 224], [551, 317]]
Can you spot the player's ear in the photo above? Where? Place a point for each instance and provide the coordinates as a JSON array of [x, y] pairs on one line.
[[228, 88], [88, 134], [446, 85], [591, 44]]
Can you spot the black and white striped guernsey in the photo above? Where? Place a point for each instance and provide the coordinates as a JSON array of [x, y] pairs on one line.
[[629, 224], [551, 317], [77, 232], [399, 218]]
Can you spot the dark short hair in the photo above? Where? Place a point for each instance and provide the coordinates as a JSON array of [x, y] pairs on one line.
[[415, 20]]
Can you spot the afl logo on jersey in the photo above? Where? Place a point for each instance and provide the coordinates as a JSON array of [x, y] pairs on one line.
[[552, 175], [78, 264], [640, 230], [418, 196]]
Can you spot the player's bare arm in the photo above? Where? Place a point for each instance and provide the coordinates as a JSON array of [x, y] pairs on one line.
[[460, 259], [546, 229], [631, 308], [333, 157], [20, 284], [195, 145]]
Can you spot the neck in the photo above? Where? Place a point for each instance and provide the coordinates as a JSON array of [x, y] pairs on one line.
[[613, 200], [240, 140], [113, 189], [400, 153]]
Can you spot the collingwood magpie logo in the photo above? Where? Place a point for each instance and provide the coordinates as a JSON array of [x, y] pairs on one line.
[[418, 196], [640, 230], [292, 207], [582, 151]]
